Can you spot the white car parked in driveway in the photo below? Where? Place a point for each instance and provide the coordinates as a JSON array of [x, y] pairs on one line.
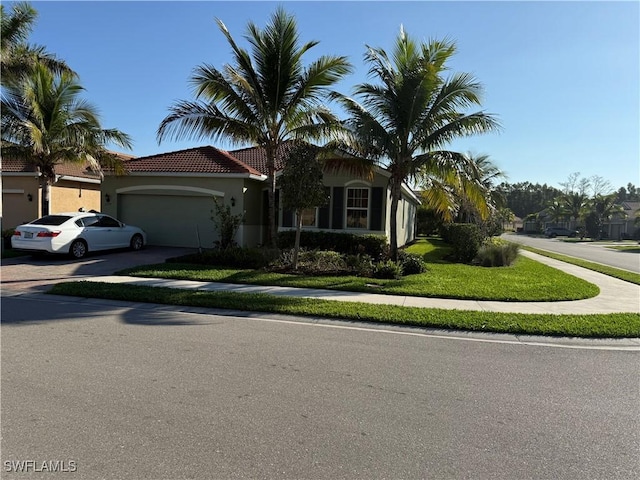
[[76, 234]]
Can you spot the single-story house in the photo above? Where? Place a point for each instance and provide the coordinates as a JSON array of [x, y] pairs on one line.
[[75, 187], [170, 195]]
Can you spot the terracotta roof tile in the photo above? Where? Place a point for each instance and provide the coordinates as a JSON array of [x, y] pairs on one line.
[[257, 158], [18, 165], [205, 159]]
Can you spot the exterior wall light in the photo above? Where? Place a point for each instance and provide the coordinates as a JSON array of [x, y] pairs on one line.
[[107, 197], [29, 197], [233, 202]]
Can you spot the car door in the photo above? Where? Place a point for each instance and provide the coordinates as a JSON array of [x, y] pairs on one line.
[[114, 234], [92, 233]]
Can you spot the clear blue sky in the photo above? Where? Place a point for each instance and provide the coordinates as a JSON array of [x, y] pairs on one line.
[[563, 77]]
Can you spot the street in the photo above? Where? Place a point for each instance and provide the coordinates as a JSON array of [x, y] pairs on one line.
[[593, 252], [147, 392]]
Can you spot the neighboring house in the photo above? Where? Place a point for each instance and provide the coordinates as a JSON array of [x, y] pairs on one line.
[[170, 195], [75, 187], [619, 226]]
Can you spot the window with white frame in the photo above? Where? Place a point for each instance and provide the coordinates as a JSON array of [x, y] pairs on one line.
[[358, 208], [309, 217]]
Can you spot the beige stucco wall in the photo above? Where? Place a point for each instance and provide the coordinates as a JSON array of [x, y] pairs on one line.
[[65, 196], [16, 207], [70, 196]]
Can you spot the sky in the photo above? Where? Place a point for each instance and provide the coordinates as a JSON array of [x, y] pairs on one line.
[[563, 78]]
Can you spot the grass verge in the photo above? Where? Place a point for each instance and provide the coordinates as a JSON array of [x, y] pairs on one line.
[[609, 325], [625, 248], [597, 267]]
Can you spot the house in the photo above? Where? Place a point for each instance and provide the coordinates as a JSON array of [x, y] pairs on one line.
[[624, 226], [170, 195], [75, 187]]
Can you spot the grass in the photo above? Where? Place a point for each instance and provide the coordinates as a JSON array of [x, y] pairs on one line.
[[597, 267], [626, 248], [609, 325], [525, 281]]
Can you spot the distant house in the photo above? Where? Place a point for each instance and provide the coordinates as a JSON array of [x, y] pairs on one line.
[[75, 187], [170, 195], [623, 226]]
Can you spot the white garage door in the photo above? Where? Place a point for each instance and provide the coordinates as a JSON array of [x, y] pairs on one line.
[[170, 220]]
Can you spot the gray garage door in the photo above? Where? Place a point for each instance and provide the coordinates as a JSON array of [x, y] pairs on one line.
[[170, 220]]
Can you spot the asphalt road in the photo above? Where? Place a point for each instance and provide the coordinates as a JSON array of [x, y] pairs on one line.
[[594, 252], [145, 392]]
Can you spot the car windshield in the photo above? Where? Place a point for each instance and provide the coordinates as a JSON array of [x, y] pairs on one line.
[[51, 220]]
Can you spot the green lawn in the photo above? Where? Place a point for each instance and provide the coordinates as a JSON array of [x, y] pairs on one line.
[[610, 325], [525, 280], [597, 267], [626, 248]]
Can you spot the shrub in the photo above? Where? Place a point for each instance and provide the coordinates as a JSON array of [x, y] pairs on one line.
[[360, 264], [374, 245], [311, 262], [234, 257], [387, 269], [411, 263], [497, 254], [465, 240]]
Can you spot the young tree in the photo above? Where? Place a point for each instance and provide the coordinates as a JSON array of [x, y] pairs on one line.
[[265, 98], [409, 117], [301, 186], [45, 121]]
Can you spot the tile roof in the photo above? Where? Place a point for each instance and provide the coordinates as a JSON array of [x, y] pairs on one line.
[[205, 159], [19, 165], [256, 157]]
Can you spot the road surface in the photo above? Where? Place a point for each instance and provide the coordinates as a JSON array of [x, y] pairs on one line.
[[594, 252], [146, 392]]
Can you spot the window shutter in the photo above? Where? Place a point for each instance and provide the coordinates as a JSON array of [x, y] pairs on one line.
[[338, 208], [377, 194], [287, 218], [323, 212]]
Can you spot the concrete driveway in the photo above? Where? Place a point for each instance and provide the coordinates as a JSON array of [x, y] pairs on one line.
[[29, 273]]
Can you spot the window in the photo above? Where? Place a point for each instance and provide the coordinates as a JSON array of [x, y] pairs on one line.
[[109, 222], [357, 208], [310, 217], [91, 221], [51, 220]]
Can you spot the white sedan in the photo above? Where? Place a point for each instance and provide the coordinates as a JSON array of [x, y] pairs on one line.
[[76, 234]]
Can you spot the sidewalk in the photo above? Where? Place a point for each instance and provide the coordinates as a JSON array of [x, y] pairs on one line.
[[616, 296]]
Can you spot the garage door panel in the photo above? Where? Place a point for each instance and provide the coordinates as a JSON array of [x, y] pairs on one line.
[[170, 220]]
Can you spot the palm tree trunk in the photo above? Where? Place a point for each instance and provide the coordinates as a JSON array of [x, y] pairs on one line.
[[273, 228], [46, 194], [296, 247], [393, 224]]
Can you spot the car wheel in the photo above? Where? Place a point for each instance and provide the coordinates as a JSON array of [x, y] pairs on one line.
[[78, 249], [553, 235], [136, 242]]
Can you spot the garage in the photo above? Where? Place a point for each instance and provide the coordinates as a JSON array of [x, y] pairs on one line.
[[170, 219]]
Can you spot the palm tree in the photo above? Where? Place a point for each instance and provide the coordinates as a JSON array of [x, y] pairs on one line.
[[556, 210], [478, 195], [45, 121], [575, 204], [413, 113], [17, 57], [265, 98], [605, 207]]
